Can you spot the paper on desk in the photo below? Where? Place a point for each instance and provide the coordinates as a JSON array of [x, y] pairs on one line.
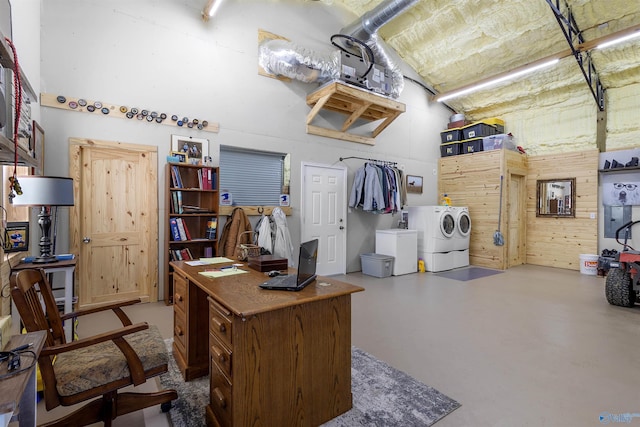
[[215, 260], [222, 273]]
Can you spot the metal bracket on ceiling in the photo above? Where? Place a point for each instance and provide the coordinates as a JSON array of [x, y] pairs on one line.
[[572, 33]]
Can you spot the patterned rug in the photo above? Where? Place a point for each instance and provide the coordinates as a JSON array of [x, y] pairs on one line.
[[382, 396]]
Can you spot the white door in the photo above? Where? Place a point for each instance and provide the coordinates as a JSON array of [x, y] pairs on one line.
[[324, 215]]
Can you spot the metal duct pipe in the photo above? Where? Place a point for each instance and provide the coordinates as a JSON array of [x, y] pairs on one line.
[[283, 58], [365, 29], [372, 21]]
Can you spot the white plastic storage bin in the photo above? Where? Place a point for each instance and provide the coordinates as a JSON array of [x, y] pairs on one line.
[[376, 265], [401, 244]]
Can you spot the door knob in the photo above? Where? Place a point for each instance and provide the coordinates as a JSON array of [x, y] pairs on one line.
[[86, 240], [341, 227]]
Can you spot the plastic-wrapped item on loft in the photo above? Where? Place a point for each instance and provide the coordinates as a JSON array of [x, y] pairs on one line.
[[284, 58]]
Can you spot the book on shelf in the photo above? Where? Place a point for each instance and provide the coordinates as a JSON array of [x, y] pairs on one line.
[[175, 232], [208, 252], [212, 225], [174, 202], [186, 229], [181, 230], [200, 180], [178, 208], [185, 253], [211, 178], [193, 209], [177, 179]]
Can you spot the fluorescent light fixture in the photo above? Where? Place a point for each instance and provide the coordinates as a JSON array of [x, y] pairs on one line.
[[618, 40], [499, 79], [210, 9]]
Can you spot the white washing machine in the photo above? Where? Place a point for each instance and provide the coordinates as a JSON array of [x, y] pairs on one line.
[[436, 227], [462, 234]]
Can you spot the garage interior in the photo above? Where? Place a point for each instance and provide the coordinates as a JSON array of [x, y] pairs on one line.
[[535, 344]]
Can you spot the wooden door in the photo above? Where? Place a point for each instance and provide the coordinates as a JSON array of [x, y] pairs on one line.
[[516, 225], [114, 223]]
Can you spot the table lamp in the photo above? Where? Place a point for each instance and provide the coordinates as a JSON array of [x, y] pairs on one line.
[[44, 191]]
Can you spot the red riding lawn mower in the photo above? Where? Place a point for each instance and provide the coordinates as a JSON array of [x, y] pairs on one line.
[[622, 286]]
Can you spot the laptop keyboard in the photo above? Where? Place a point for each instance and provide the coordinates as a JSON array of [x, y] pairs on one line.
[[283, 280]]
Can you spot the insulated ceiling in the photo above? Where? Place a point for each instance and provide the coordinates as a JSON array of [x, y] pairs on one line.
[[454, 43]]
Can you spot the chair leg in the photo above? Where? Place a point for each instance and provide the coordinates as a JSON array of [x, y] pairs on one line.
[[90, 413], [110, 406], [130, 402]]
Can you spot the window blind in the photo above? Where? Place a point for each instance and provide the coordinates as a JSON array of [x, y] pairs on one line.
[[252, 177]]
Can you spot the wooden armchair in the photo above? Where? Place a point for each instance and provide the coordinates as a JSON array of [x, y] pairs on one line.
[[93, 367]]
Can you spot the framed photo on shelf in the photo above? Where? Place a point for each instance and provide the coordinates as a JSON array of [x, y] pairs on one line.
[[16, 237], [196, 149], [414, 184], [181, 155], [36, 147]]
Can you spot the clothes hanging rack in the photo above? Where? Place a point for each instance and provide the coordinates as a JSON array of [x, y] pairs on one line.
[[384, 162]]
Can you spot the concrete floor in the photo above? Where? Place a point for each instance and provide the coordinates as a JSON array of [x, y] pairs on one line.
[[531, 346]]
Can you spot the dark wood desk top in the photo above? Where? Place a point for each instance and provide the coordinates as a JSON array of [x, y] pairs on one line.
[[56, 264], [11, 388], [240, 292]]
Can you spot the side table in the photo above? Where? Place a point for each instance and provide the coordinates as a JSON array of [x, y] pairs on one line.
[[18, 392], [67, 267]]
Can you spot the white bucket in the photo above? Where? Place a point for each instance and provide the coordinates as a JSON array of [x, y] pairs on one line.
[[589, 264]]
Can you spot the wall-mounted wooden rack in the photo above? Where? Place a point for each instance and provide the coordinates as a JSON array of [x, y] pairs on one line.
[[254, 210], [357, 104]]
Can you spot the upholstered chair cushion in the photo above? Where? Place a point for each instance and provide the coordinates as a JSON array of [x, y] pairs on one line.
[[84, 369]]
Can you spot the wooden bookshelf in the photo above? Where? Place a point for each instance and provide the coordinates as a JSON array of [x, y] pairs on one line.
[[191, 205]]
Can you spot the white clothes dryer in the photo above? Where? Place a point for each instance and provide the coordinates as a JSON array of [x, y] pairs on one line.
[[436, 227], [462, 235]]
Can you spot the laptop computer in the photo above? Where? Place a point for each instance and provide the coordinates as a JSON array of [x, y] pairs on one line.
[[307, 261]]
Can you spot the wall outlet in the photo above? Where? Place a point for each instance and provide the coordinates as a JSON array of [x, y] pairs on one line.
[[592, 215]]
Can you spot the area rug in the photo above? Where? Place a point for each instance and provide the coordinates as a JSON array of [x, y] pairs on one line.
[[467, 273], [382, 396]]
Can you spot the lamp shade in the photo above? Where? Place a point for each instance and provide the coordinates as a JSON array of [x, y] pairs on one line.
[[44, 191]]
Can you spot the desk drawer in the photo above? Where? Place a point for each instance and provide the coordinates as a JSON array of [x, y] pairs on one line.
[[220, 322], [220, 355], [180, 330], [220, 398], [180, 292]]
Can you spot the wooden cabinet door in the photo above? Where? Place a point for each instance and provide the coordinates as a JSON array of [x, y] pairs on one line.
[[115, 221]]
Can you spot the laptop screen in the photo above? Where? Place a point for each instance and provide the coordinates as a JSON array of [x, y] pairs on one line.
[[307, 260]]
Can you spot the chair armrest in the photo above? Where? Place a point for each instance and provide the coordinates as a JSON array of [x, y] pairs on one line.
[[86, 342], [115, 306]]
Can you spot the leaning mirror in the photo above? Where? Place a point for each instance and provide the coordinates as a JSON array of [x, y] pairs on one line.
[[556, 197]]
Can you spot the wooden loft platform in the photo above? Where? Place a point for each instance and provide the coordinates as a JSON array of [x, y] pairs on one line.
[[356, 104]]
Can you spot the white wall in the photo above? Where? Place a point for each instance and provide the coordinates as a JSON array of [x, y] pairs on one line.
[[159, 55]]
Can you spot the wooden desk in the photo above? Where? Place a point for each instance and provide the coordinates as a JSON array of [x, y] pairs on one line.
[[276, 358], [19, 391]]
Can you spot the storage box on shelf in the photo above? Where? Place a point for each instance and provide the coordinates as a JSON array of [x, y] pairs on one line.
[[451, 149], [481, 128], [497, 142], [473, 145], [191, 216], [451, 135]]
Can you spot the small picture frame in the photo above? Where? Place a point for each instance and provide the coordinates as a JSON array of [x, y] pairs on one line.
[[414, 184], [196, 149], [16, 237], [181, 155]]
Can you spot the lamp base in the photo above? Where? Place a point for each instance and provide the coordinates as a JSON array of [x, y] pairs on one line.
[[44, 259]]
